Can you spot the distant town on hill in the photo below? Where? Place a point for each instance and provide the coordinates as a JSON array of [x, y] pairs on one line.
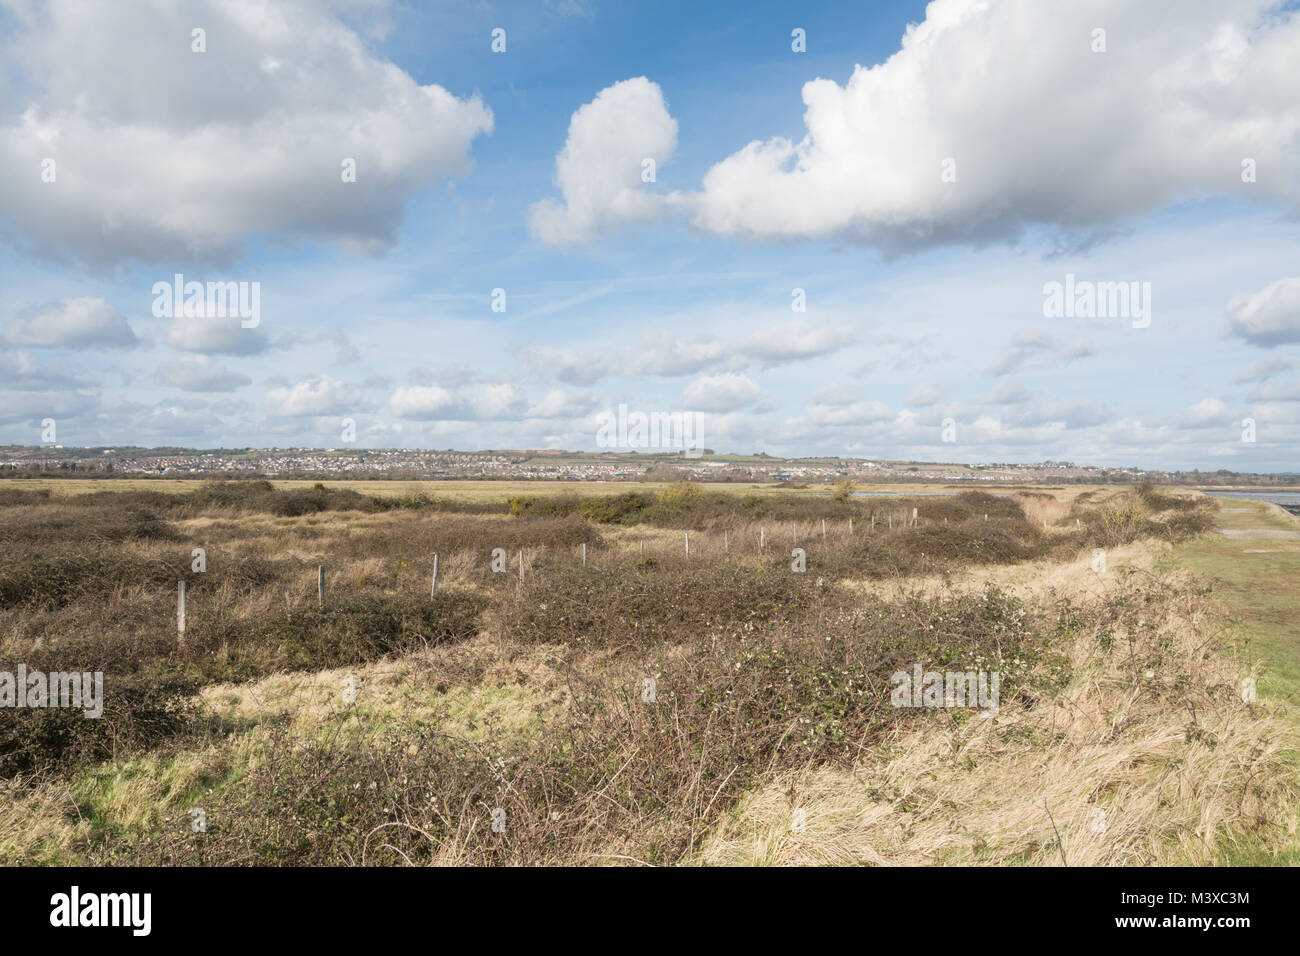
[[555, 464]]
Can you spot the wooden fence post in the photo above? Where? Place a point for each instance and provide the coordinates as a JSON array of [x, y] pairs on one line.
[[180, 612], [434, 592], [320, 585], [584, 554]]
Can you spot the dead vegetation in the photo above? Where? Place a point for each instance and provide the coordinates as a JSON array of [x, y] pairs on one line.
[[652, 706]]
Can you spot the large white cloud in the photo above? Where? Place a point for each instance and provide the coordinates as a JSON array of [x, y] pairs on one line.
[[562, 403], [423, 401], [662, 353], [215, 335], [600, 170], [163, 152], [720, 393], [1205, 413], [1040, 129], [1268, 317], [837, 406], [796, 341], [482, 401], [71, 323], [316, 396]]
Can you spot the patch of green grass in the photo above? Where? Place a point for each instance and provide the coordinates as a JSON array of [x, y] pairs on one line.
[[1255, 578]]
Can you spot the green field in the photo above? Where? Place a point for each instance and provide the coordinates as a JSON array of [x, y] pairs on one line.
[[1255, 579]]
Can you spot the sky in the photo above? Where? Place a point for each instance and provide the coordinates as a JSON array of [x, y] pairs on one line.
[[835, 229]]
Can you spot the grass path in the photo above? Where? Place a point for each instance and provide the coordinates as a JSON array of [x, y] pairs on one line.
[[1256, 576]]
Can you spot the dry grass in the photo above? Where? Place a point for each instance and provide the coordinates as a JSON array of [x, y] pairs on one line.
[[773, 685], [1122, 769], [1042, 509], [1045, 579]]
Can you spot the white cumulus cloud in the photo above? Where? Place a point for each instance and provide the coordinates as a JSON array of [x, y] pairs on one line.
[[160, 151], [993, 116], [796, 341], [724, 392], [482, 401], [600, 170], [215, 335], [1040, 129], [1268, 317], [71, 323], [317, 396]]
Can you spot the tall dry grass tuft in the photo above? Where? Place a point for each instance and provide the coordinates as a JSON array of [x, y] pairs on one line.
[[1042, 510], [1148, 757]]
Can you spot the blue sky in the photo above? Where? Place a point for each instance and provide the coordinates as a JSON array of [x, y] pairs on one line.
[[1116, 159]]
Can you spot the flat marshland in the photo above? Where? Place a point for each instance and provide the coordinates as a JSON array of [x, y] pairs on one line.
[[683, 697]]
